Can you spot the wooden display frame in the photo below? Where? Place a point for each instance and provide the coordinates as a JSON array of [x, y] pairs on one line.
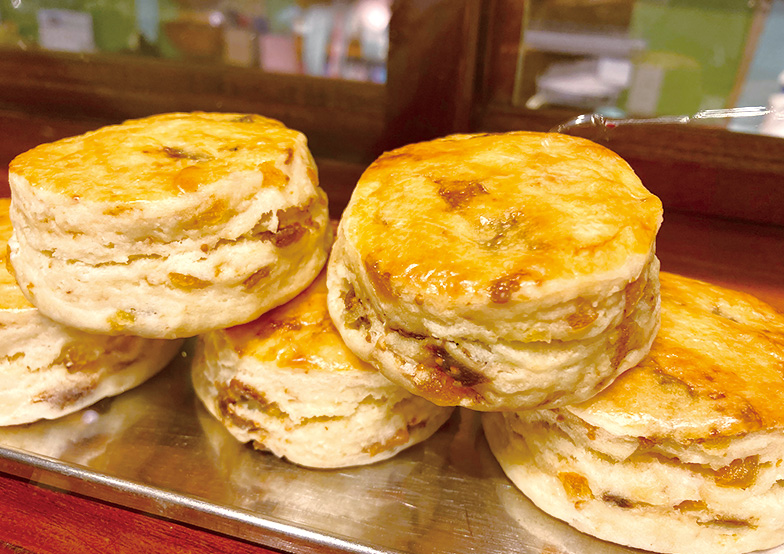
[[452, 68]]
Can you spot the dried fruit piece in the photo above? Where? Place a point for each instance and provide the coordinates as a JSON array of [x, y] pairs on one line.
[[187, 282], [121, 320]]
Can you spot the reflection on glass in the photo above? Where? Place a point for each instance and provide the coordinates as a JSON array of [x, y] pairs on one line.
[[764, 82], [576, 53], [648, 58], [345, 39]]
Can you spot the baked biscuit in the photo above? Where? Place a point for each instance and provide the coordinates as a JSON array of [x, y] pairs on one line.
[[498, 271], [288, 384], [48, 370], [168, 226], [683, 453]]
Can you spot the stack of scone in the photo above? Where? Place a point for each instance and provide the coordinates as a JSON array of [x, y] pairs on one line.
[[498, 271], [516, 274], [135, 236], [48, 370], [207, 225], [168, 226], [286, 383]]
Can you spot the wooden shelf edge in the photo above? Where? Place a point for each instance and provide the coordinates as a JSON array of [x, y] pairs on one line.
[[342, 119]]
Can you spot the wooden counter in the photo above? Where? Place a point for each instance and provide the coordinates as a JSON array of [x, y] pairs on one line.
[[43, 520]]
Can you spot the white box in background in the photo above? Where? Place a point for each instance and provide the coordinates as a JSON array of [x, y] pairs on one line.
[[66, 30]]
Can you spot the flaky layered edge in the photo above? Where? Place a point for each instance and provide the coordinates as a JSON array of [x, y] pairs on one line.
[[190, 289], [318, 419], [48, 371], [487, 372], [630, 491]]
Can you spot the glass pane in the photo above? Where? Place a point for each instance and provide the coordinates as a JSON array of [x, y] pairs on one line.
[[345, 39], [648, 58]]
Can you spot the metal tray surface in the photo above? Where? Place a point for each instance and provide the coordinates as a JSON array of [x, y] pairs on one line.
[[156, 449]]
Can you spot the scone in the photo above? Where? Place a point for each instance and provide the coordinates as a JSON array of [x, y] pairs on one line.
[[288, 384], [683, 453], [48, 370], [168, 226], [498, 271]]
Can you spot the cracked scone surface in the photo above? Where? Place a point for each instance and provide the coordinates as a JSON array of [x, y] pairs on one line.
[[48, 370], [168, 226], [682, 453], [498, 271], [287, 383]]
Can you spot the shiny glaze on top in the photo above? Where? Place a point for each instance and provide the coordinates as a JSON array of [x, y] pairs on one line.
[[496, 215], [159, 156], [11, 297], [716, 369], [298, 335]]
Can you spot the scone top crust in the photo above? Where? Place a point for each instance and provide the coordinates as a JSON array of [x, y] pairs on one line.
[[159, 157], [11, 297], [715, 371], [298, 335], [488, 218]]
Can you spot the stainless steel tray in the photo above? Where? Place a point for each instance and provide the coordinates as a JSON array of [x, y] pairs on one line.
[[156, 449]]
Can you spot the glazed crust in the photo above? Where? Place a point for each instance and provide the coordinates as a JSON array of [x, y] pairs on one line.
[[297, 336], [158, 157], [495, 219]]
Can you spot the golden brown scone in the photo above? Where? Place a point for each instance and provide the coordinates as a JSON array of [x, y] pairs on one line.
[[48, 370], [498, 271], [683, 453], [168, 226], [287, 383]]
